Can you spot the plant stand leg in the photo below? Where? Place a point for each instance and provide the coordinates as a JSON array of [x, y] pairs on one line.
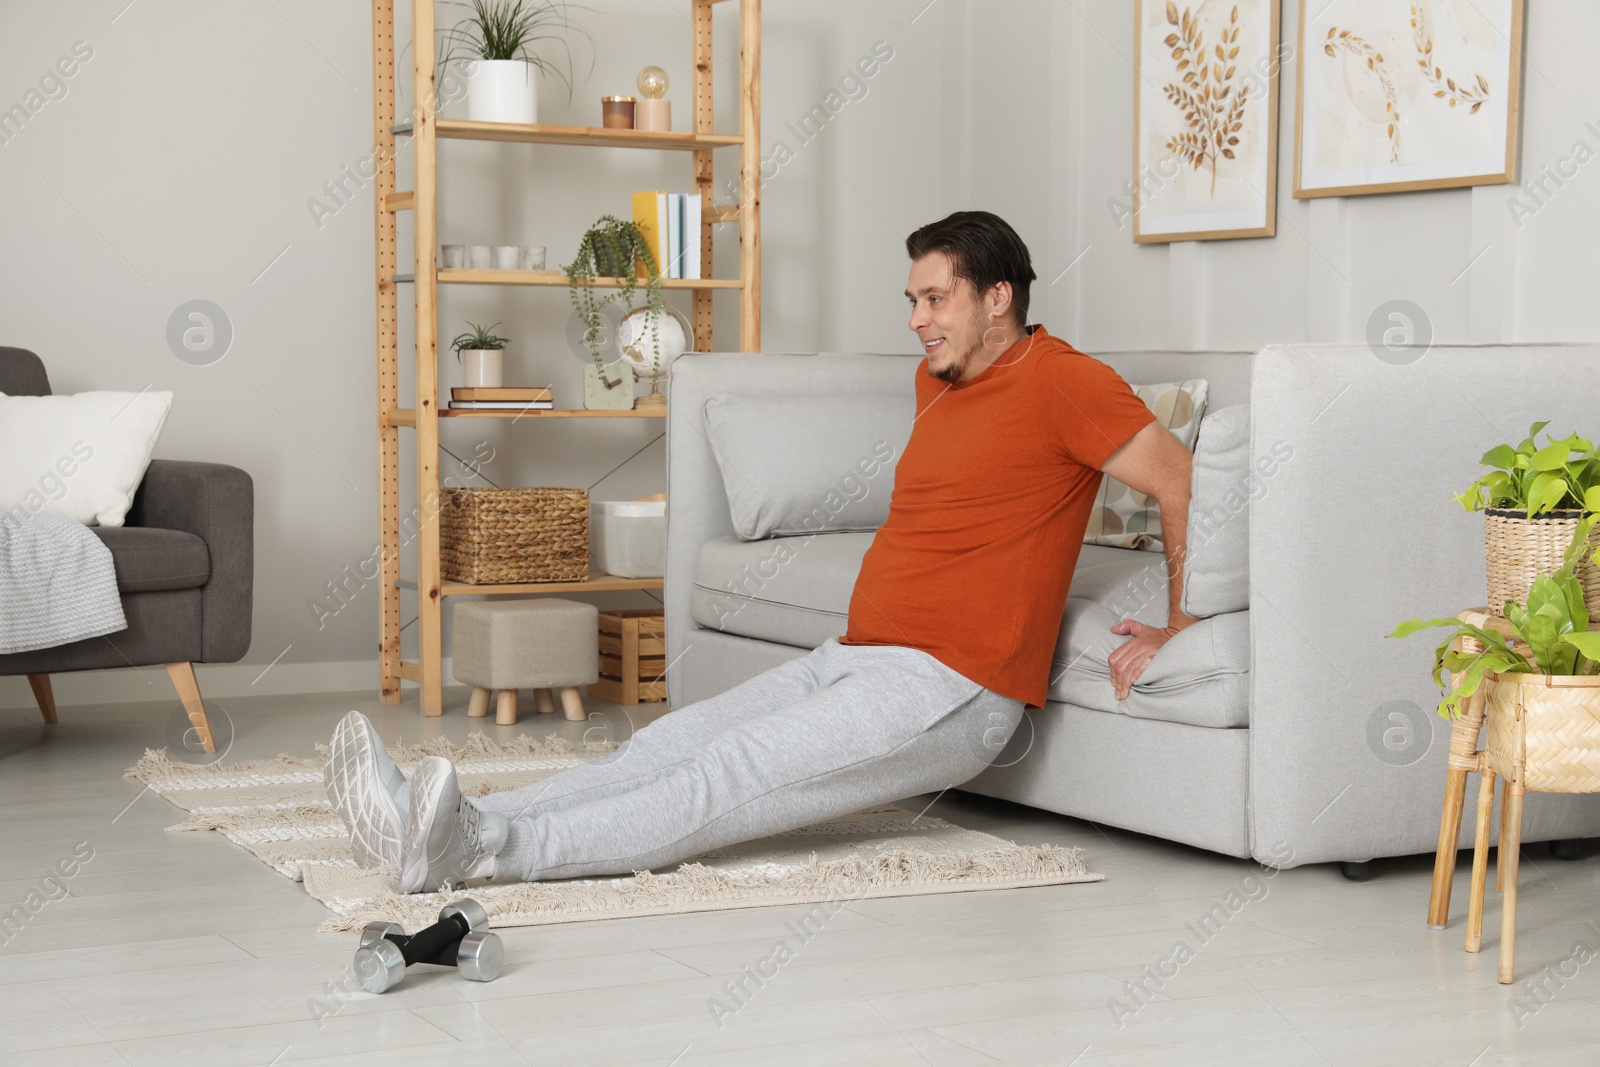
[[1480, 862], [1511, 853], [1464, 760], [478, 706]]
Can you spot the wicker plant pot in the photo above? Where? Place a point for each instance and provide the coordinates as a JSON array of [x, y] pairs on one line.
[[1548, 726], [1517, 550], [500, 536]]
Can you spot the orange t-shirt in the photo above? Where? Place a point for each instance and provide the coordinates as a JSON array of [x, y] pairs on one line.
[[991, 499]]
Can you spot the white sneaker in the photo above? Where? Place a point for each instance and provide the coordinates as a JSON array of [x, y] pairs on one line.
[[447, 839], [368, 792]]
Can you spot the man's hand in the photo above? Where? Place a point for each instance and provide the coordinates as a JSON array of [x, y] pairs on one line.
[[1130, 658]]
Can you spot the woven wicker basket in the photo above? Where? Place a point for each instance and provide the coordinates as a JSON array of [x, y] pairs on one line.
[[497, 536], [1517, 550], [1559, 720]]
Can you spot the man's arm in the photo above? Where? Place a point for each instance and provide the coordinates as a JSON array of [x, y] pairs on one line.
[[1154, 463]]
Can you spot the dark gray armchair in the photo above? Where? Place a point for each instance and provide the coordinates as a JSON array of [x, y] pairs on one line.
[[185, 564]]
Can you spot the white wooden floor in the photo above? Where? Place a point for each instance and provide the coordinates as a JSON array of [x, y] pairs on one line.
[[180, 949]]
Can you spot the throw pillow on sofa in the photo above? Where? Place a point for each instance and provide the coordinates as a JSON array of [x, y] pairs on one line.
[[81, 457], [811, 464], [1123, 518]]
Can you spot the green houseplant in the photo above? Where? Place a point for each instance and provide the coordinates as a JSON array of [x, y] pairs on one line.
[[482, 356], [1532, 499], [611, 248], [1553, 625], [499, 41]]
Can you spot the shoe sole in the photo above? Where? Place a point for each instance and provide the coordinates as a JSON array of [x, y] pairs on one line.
[[359, 796]]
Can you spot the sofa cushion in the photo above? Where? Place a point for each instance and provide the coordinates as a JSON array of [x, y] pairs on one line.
[[796, 591], [791, 590], [1123, 518], [807, 464], [148, 560], [1201, 677]]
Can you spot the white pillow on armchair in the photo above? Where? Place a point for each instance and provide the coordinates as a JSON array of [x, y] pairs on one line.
[[81, 457]]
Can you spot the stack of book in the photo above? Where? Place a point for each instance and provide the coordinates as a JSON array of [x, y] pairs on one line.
[[507, 398], [670, 223]]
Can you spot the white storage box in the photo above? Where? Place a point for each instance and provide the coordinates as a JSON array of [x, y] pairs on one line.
[[628, 538]]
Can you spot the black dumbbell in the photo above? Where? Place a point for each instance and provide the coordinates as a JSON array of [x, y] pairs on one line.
[[460, 939]]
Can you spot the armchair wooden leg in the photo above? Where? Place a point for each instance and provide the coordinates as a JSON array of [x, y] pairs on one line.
[[188, 687], [42, 696]]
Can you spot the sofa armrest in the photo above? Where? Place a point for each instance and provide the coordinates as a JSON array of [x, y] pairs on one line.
[[1354, 534], [216, 503], [697, 503]]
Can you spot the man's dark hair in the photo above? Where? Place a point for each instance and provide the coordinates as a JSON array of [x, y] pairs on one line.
[[983, 249]]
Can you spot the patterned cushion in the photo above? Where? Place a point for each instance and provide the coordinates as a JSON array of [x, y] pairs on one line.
[[1123, 518]]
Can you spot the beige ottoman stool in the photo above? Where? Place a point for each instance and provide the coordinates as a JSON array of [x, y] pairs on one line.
[[544, 644]]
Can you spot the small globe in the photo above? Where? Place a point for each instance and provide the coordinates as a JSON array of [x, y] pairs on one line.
[[653, 83], [650, 355]]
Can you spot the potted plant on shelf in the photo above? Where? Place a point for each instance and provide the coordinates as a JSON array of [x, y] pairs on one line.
[[1532, 500], [612, 249], [496, 44], [482, 356]]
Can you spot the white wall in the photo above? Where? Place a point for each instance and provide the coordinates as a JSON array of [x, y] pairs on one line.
[[1333, 261], [179, 164]]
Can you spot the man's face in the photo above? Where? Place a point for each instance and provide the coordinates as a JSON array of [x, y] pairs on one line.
[[946, 315]]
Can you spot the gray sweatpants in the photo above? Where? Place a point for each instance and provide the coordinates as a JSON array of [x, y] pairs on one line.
[[842, 728]]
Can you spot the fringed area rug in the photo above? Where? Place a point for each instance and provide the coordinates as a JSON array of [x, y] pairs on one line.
[[276, 808]]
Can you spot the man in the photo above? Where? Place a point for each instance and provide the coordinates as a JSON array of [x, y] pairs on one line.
[[952, 622]]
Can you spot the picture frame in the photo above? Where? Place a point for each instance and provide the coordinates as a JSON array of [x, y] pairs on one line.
[[1405, 97], [1205, 151]]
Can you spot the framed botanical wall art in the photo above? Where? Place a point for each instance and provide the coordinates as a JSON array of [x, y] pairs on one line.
[[1396, 95], [1205, 154]]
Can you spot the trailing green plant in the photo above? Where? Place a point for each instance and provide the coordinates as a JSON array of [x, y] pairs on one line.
[[1561, 474], [1553, 626], [478, 339], [610, 249], [510, 29]]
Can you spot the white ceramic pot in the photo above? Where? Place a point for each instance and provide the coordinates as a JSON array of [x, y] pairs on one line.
[[484, 367], [502, 90]]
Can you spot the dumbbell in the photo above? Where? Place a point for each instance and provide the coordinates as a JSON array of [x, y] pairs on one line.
[[460, 939]]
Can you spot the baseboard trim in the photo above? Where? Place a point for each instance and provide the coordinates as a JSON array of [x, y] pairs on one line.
[[220, 681]]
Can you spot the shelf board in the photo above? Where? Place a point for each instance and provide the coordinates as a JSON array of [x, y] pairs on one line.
[[468, 276], [408, 416], [597, 136], [596, 583]]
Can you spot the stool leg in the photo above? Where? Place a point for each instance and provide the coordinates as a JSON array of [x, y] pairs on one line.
[[478, 706], [1480, 862], [572, 704], [1463, 761], [1511, 853], [505, 709], [543, 702]]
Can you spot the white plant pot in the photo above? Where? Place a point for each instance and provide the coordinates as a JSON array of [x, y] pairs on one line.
[[484, 367], [502, 90]]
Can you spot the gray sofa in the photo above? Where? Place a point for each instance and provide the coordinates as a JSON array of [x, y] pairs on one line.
[[1285, 726], [185, 564]]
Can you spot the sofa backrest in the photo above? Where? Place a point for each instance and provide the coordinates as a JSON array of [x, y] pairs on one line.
[[22, 373]]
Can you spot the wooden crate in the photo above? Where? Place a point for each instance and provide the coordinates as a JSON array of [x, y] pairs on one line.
[[633, 656]]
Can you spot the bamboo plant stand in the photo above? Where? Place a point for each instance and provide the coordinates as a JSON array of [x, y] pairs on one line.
[[1544, 736]]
